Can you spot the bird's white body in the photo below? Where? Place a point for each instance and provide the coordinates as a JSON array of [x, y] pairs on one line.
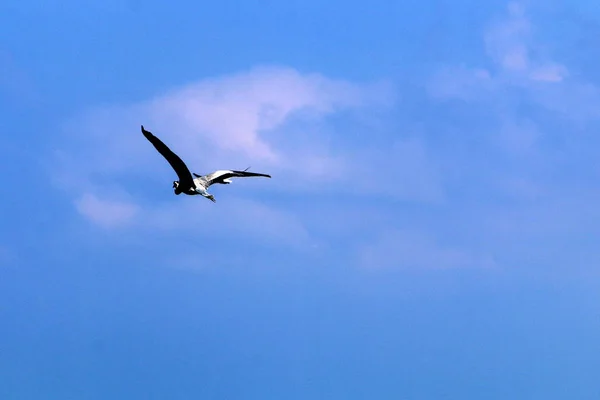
[[205, 180]]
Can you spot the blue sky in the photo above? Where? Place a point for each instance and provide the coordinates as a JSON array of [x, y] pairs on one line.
[[429, 232]]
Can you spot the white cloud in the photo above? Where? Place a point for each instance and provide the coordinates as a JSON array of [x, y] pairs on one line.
[[226, 122], [520, 129], [516, 57], [337, 184], [238, 120], [231, 112], [269, 118], [510, 44], [522, 76], [506, 41]]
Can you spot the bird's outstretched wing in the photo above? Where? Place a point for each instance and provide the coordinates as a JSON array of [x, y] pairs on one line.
[[221, 175], [182, 171]]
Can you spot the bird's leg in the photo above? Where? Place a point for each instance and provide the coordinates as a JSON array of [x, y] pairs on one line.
[[204, 193], [209, 196]]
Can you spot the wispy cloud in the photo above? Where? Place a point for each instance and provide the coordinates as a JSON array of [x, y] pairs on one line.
[[523, 96], [510, 44], [530, 173], [516, 59], [269, 118], [520, 63], [492, 163]]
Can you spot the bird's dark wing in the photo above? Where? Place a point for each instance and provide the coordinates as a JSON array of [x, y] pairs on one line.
[[182, 171], [219, 176]]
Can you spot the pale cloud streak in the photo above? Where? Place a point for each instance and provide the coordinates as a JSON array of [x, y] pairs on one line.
[[517, 58], [522, 75], [344, 186], [519, 62], [244, 118], [269, 118], [231, 112], [523, 123], [509, 42]]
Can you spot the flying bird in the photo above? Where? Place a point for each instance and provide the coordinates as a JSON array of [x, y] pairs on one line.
[[192, 183]]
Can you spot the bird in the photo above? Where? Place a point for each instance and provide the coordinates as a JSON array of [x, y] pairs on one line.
[[192, 183]]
